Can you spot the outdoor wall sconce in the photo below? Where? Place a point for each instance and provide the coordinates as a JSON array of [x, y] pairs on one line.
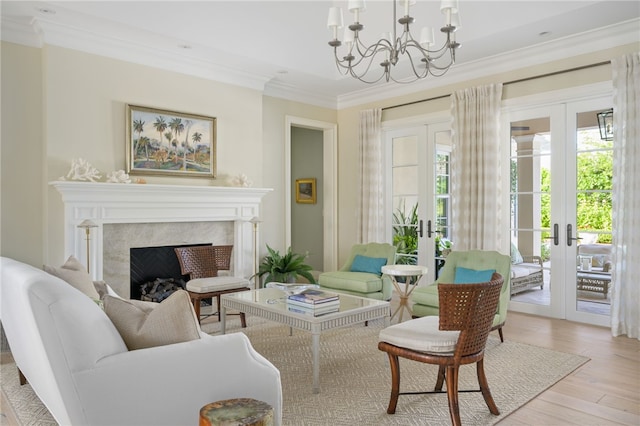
[[605, 123]]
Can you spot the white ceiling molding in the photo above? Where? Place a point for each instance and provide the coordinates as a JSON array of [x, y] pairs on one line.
[[37, 31], [24, 32], [592, 41]]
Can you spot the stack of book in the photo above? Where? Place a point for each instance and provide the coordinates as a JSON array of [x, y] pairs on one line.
[[313, 302]]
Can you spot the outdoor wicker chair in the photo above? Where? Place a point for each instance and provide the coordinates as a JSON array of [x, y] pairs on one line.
[[456, 337]]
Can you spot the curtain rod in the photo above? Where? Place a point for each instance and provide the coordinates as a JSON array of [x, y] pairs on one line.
[[535, 77]]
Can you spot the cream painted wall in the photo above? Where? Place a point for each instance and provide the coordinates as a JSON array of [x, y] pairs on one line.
[[67, 104], [21, 155], [275, 111], [85, 97]]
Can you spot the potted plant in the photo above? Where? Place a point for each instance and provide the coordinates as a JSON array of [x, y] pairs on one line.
[[405, 235], [443, 246], [284, 268]]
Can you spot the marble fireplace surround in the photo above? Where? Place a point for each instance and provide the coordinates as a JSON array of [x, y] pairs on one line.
[[146, 215]]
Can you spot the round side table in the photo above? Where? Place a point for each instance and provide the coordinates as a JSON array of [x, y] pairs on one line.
[[412, 274], [239, 411]]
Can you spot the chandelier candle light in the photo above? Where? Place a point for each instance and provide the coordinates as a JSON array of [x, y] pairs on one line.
[[389, 48]]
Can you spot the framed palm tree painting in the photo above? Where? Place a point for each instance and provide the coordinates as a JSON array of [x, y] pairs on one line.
[[170, 143]]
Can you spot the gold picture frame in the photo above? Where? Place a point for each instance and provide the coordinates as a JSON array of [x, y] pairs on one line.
[[161, 142], [306, 191]]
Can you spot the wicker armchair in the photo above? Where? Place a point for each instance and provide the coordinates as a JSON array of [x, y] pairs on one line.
[[456, 337], [202, 264]]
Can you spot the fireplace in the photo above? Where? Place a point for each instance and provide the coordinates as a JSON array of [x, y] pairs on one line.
[[150, 264], [136, 215]]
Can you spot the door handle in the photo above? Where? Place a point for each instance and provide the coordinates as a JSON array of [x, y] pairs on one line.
[[555, 237], [429, 230], [570, 235], [420, 228]]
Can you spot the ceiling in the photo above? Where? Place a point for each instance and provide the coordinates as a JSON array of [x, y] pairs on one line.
[[281, 47]]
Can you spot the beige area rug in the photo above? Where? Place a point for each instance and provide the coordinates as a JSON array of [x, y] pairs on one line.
[[355, 379]]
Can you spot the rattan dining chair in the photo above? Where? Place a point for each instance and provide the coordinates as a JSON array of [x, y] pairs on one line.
[[456, 337], [201, 264]]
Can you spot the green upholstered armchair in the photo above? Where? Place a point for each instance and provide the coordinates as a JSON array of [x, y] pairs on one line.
[[425, 298], [369, 284]]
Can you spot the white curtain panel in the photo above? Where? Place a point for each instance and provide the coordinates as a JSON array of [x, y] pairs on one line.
[[371, 204], [475, 168], [625, 306]]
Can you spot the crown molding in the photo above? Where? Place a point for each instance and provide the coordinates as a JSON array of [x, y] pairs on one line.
[[24, 32], [290, 92], [37, 32], [562, 48]]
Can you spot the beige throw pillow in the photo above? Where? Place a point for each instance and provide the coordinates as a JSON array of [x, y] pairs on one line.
[[101, 288], [147, 324], [75, 274]]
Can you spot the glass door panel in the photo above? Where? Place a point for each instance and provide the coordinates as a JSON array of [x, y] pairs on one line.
[[443, 243], [591, 296], [530, 205], [419, 159], [404, 194]]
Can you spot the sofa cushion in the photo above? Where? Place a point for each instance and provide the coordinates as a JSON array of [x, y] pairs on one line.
[[524, 270], [74, 273], [372, 265], [147, 324], [600, 253], [426, 295], [360, 282], [468, 276]]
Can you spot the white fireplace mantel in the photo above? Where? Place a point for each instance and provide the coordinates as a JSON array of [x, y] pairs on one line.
[[115, 203]]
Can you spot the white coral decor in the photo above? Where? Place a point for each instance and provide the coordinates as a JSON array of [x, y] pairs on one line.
[[82, 170], [119, 176], [241, 180]]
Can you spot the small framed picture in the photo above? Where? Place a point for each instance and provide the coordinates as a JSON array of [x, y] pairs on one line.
[[170, 143], [306, 191]]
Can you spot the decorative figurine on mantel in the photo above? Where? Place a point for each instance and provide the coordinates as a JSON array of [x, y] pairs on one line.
[[241, 180], [82, 170]]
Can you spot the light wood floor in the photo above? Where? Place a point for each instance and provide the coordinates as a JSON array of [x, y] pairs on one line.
[[604, 391]]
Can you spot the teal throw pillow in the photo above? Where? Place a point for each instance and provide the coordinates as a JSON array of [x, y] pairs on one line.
[[468, 276], [371, 265]]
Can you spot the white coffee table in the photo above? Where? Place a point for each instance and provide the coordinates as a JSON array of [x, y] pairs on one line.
[[270, 304], [412, 274]]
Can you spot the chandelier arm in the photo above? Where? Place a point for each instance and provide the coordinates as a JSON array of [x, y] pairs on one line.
[[415, 70], [353, 63], [345, 67], [361, 76], [370, 51]]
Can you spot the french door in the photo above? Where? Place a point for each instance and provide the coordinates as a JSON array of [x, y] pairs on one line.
[[560, 208], [418, 184]]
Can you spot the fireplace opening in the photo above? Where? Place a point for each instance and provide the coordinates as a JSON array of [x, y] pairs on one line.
[[157, 269]]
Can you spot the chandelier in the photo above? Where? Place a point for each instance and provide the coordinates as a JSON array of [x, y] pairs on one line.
[[423, 57]]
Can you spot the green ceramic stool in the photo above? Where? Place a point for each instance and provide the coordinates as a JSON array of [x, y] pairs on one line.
[[240, 411]]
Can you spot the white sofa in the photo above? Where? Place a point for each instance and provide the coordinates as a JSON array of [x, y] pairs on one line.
[[78, 365]]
